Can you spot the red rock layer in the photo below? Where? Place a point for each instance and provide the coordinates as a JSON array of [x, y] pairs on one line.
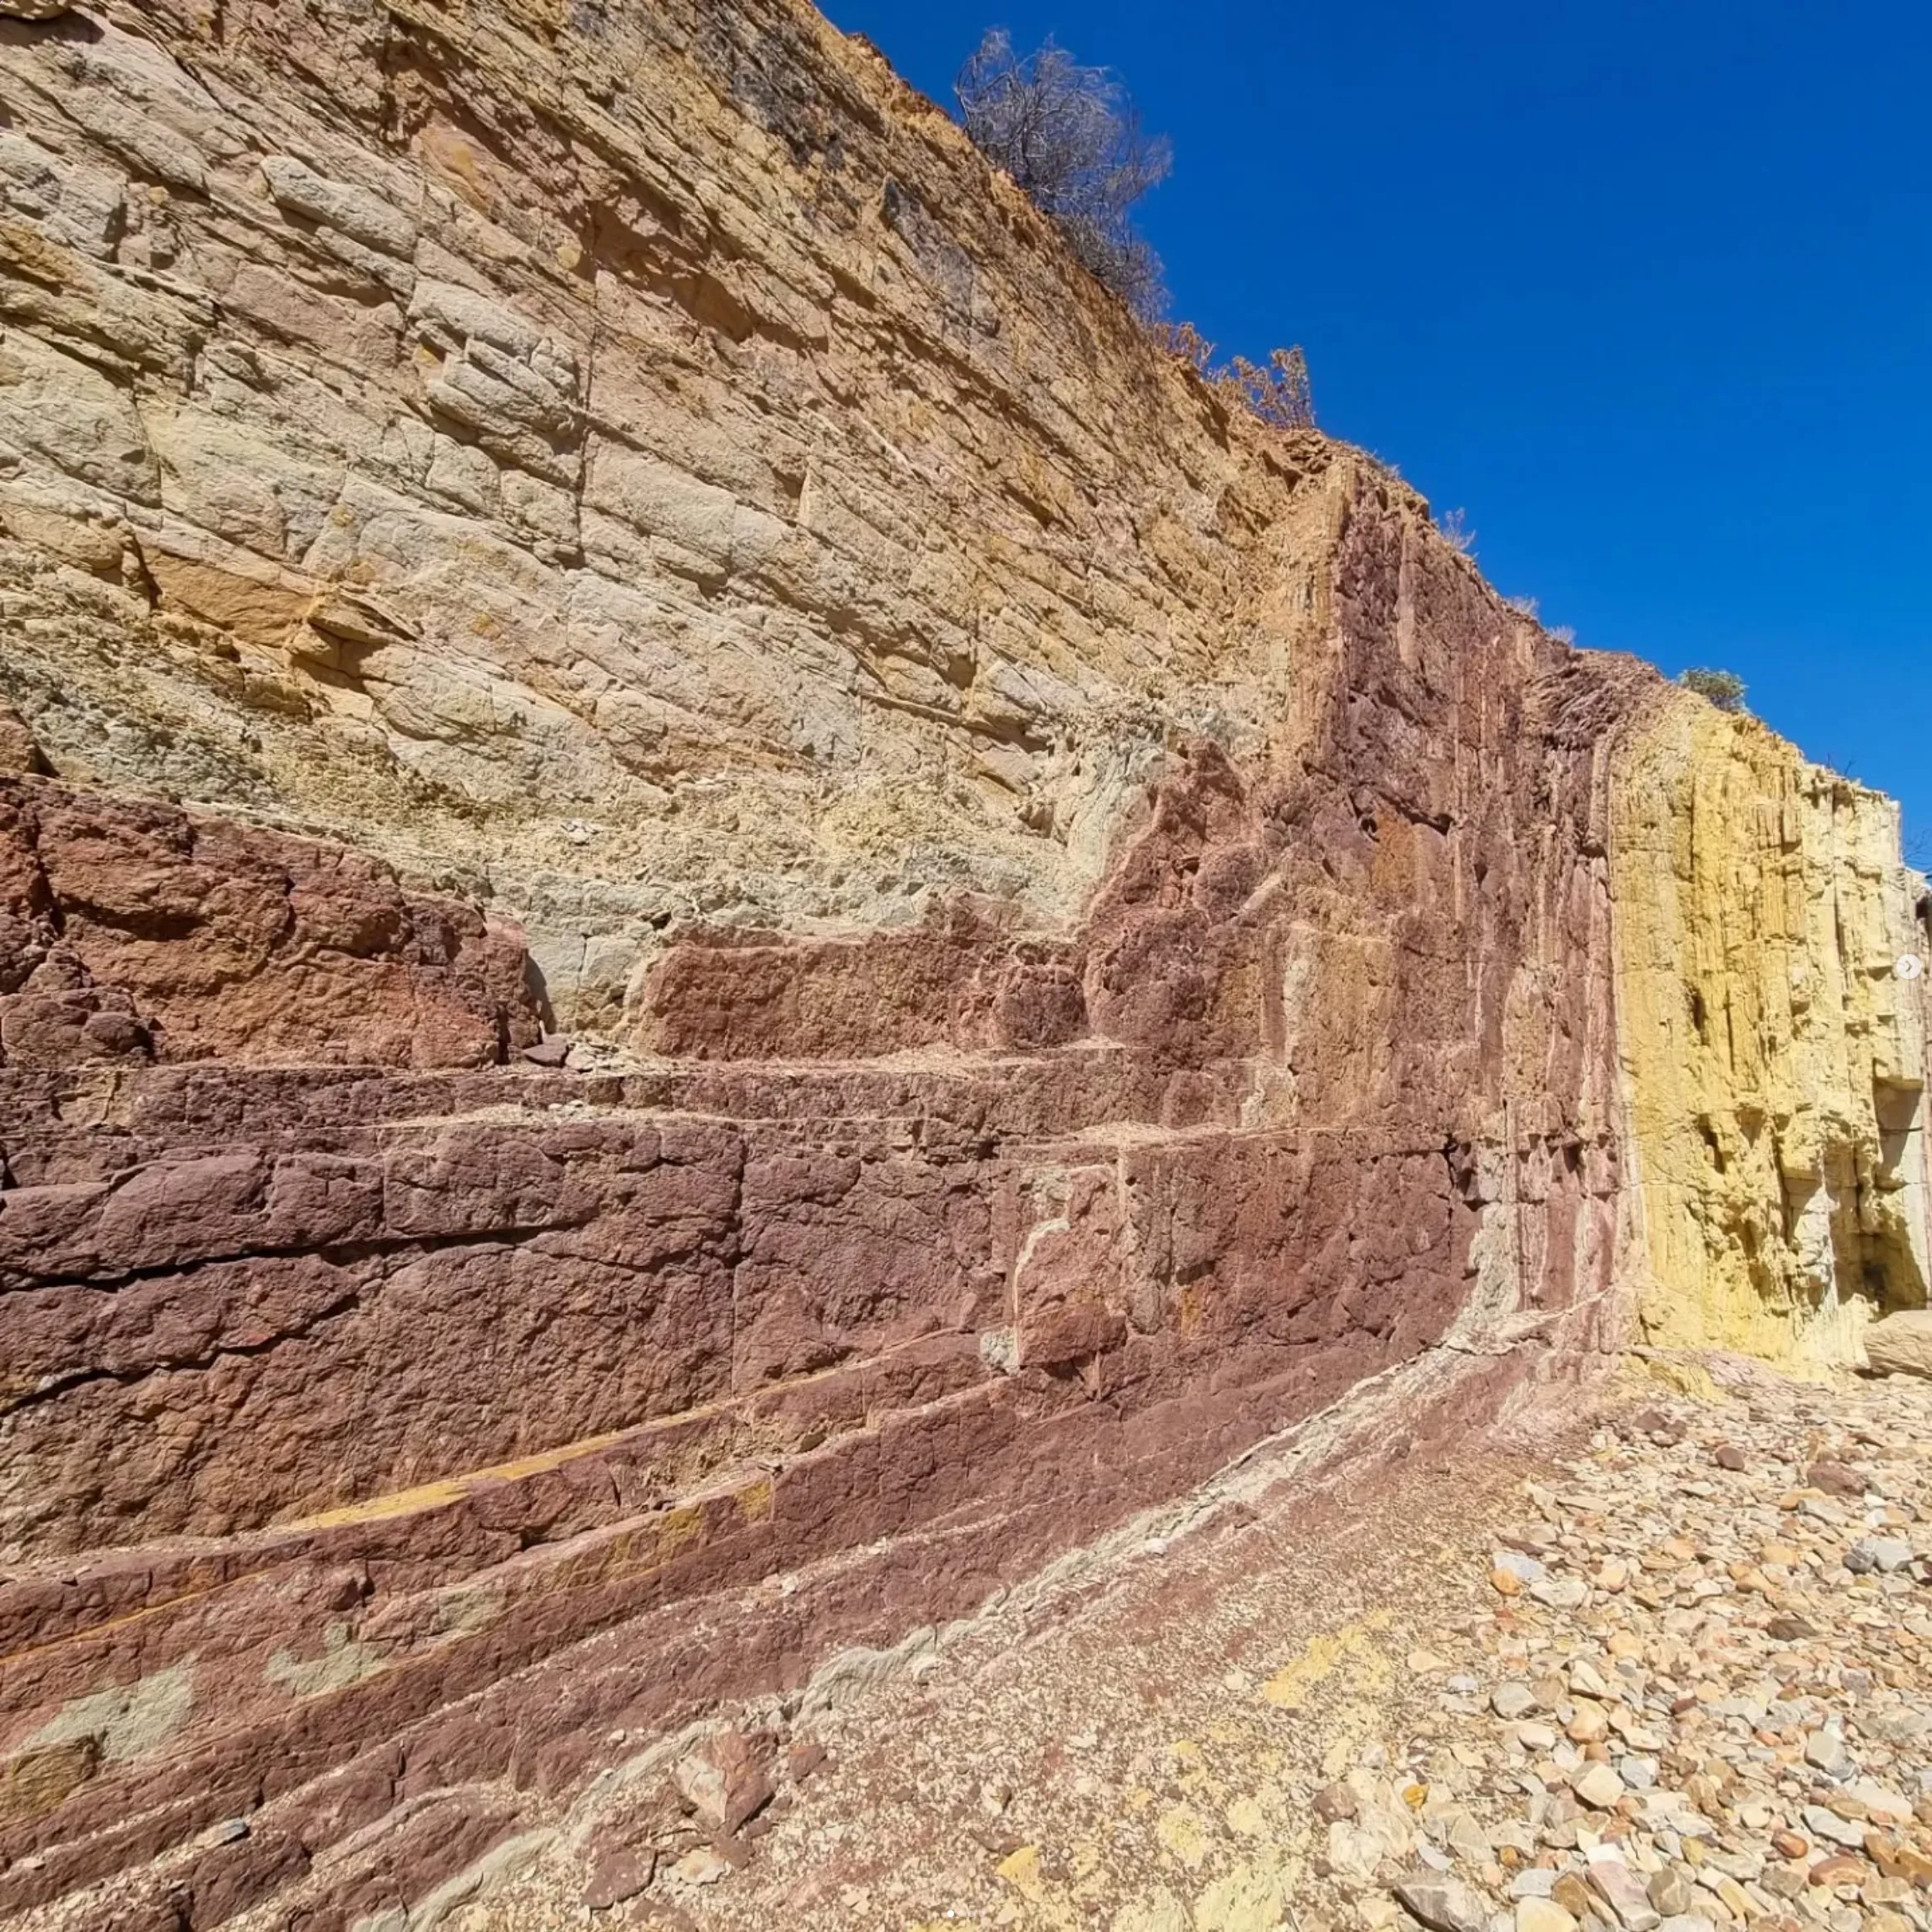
[[407, 1427], [131, 931]]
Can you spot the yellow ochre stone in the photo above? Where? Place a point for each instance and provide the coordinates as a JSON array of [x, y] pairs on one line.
[[1773, 1054]]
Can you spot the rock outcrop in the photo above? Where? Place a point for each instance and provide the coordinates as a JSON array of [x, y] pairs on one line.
[[1774, 1055], [1087, 934], [644, 469]]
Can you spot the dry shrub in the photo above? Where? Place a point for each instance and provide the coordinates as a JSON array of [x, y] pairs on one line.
[[1071, 138], [1278, 395]]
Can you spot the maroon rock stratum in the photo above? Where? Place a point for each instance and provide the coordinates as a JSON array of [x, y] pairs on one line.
[[1089, 936]]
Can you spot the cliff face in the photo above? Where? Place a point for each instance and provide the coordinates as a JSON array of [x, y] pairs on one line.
[[1093, 937], [644, 462], [1773, 1056]]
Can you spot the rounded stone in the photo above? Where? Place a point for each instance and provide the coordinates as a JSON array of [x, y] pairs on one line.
[[1534, 1915]]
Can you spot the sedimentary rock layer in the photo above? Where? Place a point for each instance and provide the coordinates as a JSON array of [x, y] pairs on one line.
[[649, 462], [1089, 932], [347, 1406], [1774, 1056]]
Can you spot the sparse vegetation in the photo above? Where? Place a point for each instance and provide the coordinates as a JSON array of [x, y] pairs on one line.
[[1527, 607], [1278, 395], [1724, 688], [1071, 138], [1457, 533]]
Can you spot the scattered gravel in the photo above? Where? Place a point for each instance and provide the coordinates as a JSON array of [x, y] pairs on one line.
[[1677, 1678]]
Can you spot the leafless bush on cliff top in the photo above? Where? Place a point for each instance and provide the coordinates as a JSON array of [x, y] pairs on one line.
[[1183, 339], [1071, 138]]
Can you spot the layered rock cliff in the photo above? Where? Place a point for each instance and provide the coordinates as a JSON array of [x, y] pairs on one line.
[[1773, 1058], [646, 464], [1089, 936]]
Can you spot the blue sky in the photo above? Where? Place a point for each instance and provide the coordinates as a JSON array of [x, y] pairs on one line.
[[1645, 286]]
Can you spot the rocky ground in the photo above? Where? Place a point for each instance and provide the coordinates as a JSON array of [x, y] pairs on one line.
[[1668, 1667]]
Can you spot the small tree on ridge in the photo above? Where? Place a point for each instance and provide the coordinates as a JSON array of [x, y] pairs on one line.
[[1071, 138], [1724, 688]]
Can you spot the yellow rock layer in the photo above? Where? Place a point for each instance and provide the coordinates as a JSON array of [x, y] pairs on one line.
[[1773, 1051]]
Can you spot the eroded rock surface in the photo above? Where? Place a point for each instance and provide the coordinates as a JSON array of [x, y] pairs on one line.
[[657, 466], [1089, 936], [1774, 1051]]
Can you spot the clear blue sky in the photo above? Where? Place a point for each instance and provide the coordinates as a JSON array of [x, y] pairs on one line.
[[1644, 286]]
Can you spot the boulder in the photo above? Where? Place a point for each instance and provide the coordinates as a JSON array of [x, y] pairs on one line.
[[1901, 1345]]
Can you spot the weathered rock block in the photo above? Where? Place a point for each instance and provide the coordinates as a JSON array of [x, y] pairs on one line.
[[1900, 1345], [134, 930]]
